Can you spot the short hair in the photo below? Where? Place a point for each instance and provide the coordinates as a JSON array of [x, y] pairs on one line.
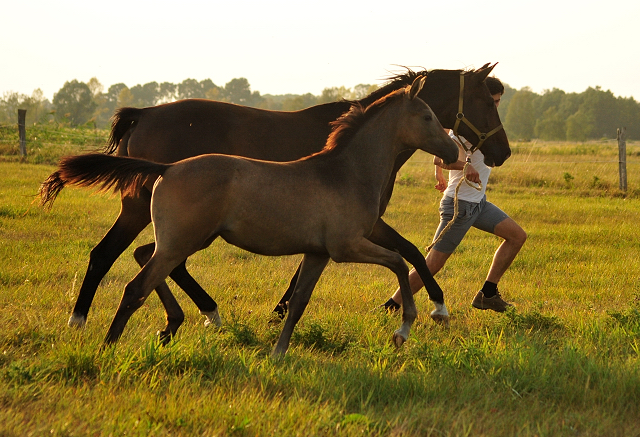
[[494, 85]]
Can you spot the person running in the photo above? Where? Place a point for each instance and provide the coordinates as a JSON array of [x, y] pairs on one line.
[[474, 210]]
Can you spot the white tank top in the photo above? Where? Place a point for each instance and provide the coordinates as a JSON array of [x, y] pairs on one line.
[[466, 192]]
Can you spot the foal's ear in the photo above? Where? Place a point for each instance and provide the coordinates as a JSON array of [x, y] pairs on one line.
[[416, 86]]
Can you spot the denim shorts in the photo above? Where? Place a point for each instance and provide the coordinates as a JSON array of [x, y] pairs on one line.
[[483, 215]]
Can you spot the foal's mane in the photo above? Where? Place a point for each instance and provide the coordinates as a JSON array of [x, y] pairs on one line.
[[349, 123]]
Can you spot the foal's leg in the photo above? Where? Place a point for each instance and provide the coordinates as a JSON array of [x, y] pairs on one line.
[[387, 237], [137, 291], [309, 273], [367, 252], [175, 315], [207, 306], [134, 217]]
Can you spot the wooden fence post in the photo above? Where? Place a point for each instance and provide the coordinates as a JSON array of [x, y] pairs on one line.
[[22, 116], [622, 153]]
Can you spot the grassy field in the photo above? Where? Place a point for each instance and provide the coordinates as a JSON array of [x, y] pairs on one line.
[[566, 362]]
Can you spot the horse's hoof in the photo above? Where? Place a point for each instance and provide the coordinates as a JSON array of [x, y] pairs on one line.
[[398, 339], [76, 321], [164, 337], [212, 318], [440, 315]]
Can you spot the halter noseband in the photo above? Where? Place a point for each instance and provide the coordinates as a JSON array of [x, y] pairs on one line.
[[460, 117]]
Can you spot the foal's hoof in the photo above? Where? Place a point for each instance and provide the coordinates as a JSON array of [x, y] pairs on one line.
[[77, 321], [398, 339]]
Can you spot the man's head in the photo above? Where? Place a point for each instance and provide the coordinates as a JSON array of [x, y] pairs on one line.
[[495, 88]]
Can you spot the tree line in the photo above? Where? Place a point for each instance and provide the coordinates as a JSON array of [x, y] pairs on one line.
[[552, 115], [557, 115]]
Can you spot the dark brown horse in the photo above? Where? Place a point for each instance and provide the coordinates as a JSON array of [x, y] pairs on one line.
[[175, 131], [324, 206]]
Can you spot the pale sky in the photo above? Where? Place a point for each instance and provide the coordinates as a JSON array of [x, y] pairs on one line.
[[305, 46]]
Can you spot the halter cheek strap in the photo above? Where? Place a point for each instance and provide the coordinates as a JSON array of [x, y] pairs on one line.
[[461, 118]]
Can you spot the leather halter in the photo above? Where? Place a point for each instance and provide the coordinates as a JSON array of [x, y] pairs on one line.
[[460, 117]]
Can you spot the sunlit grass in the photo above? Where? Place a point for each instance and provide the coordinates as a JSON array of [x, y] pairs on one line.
[[566, 362]]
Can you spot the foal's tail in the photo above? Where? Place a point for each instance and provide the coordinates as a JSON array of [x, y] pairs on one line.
[[119, 173]]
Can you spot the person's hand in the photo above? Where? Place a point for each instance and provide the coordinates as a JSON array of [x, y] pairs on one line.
[[472, 174], [441, 181]]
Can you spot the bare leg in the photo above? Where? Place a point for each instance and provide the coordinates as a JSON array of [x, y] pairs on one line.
[[514, 238], [134, 217]]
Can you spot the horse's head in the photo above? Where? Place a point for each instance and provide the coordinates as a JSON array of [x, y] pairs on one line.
[[420, 128], [472, 112]]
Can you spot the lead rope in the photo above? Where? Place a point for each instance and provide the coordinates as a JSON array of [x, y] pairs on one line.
[[455, 200]]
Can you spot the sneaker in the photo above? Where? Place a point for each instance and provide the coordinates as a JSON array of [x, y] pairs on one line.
[[494, 303]]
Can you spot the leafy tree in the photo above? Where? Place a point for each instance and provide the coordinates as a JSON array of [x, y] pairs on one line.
[[125, 98], [192, 89], [239, 91], [145, 95], [362, 90], [551, 126], [37, 106], [579, 126], [166, 93], [299, 102], [74, 102], [334, 94], [520, 118]]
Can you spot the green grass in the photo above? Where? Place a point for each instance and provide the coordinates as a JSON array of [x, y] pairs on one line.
[[565, 363]]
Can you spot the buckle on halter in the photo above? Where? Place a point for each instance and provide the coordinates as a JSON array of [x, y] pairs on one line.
[[460, 115]]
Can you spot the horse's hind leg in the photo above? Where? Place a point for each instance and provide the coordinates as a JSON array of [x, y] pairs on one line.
[[134, 217], [282, 307], [207, 306], [309, 272], [175, 315], [137, 291]]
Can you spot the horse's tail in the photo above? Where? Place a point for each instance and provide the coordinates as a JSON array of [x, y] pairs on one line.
[[119, 173], [122, 120]]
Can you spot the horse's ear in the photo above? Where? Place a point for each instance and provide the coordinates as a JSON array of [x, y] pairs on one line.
[[482, 73], [416, 86]]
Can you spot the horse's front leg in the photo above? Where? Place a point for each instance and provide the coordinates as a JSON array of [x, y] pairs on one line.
[[387, 237], [367, 252], [309, 272]]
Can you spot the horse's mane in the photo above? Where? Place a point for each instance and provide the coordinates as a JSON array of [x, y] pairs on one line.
[[401, 80], [349, 123]]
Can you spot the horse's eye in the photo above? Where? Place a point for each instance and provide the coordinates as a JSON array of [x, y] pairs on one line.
[[428, 117]]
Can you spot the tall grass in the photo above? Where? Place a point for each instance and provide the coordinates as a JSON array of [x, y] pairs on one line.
[[565, 362]]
